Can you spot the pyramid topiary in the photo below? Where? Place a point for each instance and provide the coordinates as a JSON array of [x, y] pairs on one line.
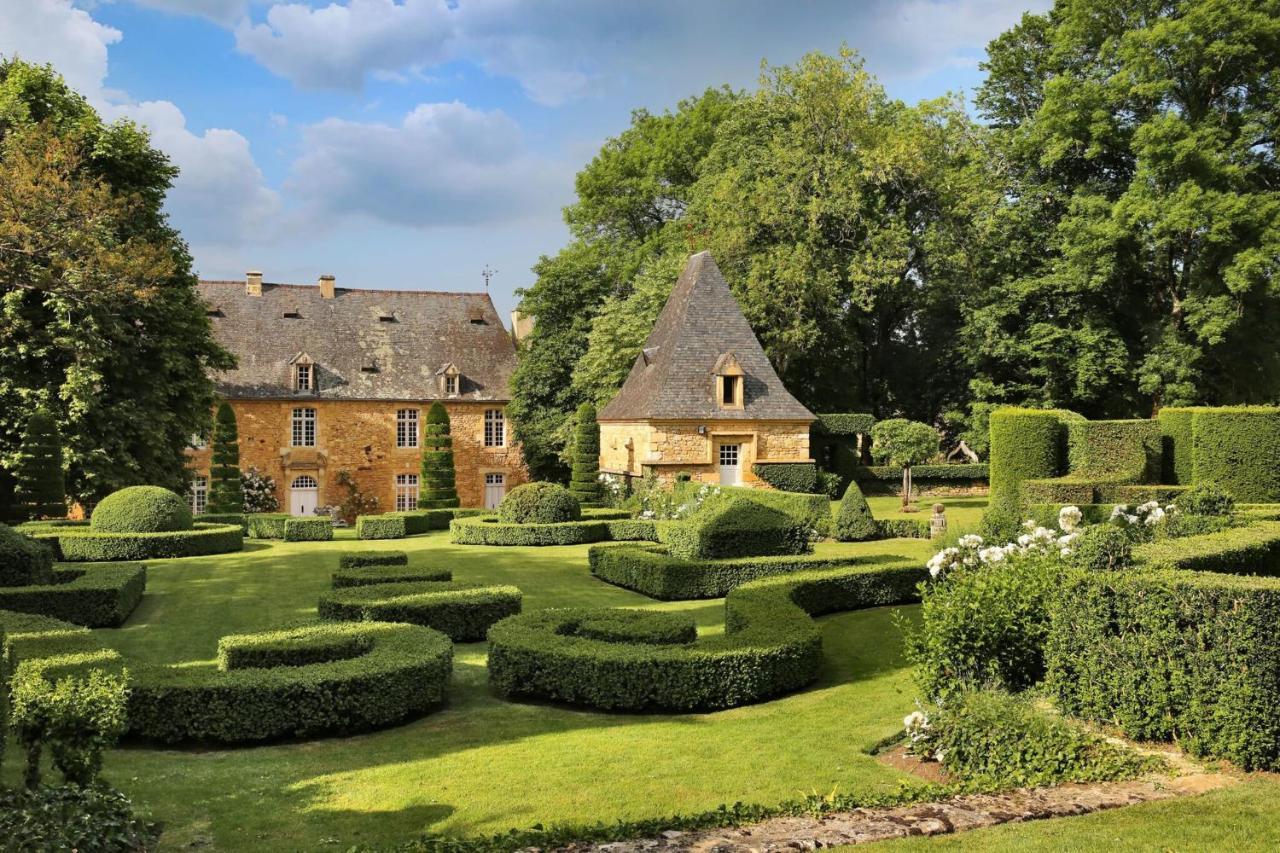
[[584, 483], [854, 522], [439, 489], [226, 490], [39, 486]]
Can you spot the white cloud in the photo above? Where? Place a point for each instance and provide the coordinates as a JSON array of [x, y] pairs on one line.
[[444, 164], [54, 32], [219, 11]]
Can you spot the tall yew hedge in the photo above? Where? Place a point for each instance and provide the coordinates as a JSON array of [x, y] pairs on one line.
[[39, 486], [439, 488]]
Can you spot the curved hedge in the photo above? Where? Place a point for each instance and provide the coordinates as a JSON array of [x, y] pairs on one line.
[[1026, 444], [487, 530], [403, 672], [652, 571], [89, 545], [738, 526], [770, 647], [23, 560], [462, 611], [93, 596], [539, 503], [1239, 450], [29, 635], [1250, 550], [141, 509]]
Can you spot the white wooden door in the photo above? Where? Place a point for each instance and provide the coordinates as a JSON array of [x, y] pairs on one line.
[[304, 495], [495, 488], [730, 464]]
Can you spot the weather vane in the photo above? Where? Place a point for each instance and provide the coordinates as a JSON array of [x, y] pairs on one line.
[[487, 273]]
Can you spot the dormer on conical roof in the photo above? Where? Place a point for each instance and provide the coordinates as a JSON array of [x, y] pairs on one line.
[[701, 337]]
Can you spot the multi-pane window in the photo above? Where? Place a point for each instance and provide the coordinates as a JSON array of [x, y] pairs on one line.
[[407, 428], [304, 427], [451, 385], [495, 428], [729, 454], [302, 376], [199, 494], [406, 492], [199, 442]]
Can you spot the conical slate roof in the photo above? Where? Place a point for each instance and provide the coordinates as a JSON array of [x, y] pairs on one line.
[[672, 376]]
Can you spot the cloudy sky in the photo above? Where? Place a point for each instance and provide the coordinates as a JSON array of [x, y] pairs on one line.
[[410, 143]]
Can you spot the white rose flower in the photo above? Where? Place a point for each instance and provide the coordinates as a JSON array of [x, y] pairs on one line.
[[971, 540], [1155, 516], [1069, 518], [1028, 525], [915, 719], [1117, 511]]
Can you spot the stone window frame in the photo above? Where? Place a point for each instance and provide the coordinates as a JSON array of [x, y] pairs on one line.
[[728, 376], [495, 428], [304, 427], [303, 374], [198, 497], [408, 430], [406, 486], [451, 385]]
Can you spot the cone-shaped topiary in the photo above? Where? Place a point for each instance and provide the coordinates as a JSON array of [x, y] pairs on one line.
[[226, 490], [141, 509], [39, 485], [584, 483], [439, 489], [539, 503], [23, 561], [854, 522]]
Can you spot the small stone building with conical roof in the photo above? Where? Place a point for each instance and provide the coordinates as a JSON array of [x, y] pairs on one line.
[[702, 397]]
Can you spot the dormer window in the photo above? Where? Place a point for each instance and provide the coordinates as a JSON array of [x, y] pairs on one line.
[[450, 379], [292, 315], [451, 385], [387, 318], [729, 383], [302, 377], [476, 316]]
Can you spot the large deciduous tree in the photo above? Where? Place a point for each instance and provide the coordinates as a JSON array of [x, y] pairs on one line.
[[100, 320]]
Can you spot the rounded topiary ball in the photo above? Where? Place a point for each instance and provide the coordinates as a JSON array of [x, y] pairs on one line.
[[141, 509], [23, 560], [539, 503]]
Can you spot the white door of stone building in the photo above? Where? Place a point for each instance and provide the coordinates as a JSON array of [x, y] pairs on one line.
[[730, 464], [304, 495], [495, 488]]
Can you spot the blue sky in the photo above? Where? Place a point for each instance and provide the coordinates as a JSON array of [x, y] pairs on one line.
[[408, 143]]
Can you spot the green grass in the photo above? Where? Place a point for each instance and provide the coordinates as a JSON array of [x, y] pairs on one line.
[[482, 764]]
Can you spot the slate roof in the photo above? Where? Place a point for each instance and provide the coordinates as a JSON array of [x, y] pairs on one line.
[[358, 355], [672, 376]]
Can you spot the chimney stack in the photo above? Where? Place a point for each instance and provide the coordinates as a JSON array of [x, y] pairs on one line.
[[253, 283], [327, 283]]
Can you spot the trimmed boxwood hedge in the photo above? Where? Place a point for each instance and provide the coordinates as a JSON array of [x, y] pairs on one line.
[[88, 545], [361, 559], [225, 518], [844, 423], [1103, 457], [404, 673], [1026, 444], [141, 509], [960, 472], [1238, 448], [308, 530], [380, 527], [902, 528], [770, 646], [23, 560], [29, 635], [1250, 550], [289, 648], [462, 611], [1175, 433], [487, 530], [651, 570], [738, 526], [267, 525], [95, 596], [420, 521], [387, 574], [811, 509], [788, 476]]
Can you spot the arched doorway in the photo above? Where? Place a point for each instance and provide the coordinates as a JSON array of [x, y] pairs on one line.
[[304, 495]]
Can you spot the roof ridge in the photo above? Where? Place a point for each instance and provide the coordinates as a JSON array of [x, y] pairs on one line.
[[240, 282]]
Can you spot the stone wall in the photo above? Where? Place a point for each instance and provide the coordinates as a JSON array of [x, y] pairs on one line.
[[671, 447], [360, 437]]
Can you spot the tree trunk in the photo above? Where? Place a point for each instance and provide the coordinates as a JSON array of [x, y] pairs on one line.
[[906, 486]]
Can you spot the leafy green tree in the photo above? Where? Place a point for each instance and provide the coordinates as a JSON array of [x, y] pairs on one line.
[[903, 443], [584, 484], [226, 490], [439, 489], [40, 487], [96, 290]]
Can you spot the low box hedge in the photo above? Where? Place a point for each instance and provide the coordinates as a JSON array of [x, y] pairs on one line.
[[738, 526], [844, 424], [1172, 654], [99, 596], [380, 527], [812, 510], [308, 530], [1253, 549], [362, 559], [238, 518], [964, 472], [289, 648], [29, 635], [654, 572], [85, 545], [770, 646], [487, 530], [419, 521], [464, 612], [266, 525], [387, 574], [404, 673], [902, 528], [788, 476]]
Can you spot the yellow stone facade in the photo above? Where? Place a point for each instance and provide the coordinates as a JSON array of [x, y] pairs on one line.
[[360, 437], [672, 447]]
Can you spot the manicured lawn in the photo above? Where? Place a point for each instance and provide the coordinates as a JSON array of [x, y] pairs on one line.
[[482, 764]]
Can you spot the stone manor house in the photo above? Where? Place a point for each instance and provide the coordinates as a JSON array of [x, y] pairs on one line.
[[334, 379]]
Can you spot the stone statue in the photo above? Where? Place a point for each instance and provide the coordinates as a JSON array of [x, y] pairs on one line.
[[938, 522]]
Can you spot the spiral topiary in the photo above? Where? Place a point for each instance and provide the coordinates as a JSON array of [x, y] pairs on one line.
[[23, 560], [141, 509], [539, 503]]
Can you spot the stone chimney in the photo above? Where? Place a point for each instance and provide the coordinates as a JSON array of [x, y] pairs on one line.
[[327, 284], [253, 283]]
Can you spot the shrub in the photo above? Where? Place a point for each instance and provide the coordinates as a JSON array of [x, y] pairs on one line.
[[259, 491], [1102, 457], [983, 627], [289, 648], [539, 503], [77, 718], [380, 527], [308, 530], [1251, 550], [828, 485], [96, 597], [94, 546], [1102, 548], [655, 573], [854, 522], [141, 509], [788, 476], [226, 492], [584, 480], [738, 526], [1026, 444], [770, 647], [1206, 499], [1238, 449], [1002, 521], [96, 819], [40, 489], [1171, 654], [267, 525], [902, 528], [362, 559], [438, 485], [404, 673], [387, 574], [23, 560], [812, 511], [464, 612]]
